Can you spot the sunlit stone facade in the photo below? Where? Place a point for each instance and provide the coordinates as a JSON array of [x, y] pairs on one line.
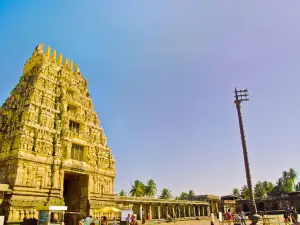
[[52, 148]]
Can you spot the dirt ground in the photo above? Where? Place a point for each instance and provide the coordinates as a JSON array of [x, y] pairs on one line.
[[274, 219]]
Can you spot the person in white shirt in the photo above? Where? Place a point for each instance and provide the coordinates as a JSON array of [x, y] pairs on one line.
[[243, 217], [212, 218], [237, 219]]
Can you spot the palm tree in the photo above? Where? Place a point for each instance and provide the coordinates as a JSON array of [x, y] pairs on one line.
[[236, 192], [150, 189], [137, 189], [191, 194], [184, 196], [122, 193], [245, 194], [293, 176], [287, 182], [166, 194]]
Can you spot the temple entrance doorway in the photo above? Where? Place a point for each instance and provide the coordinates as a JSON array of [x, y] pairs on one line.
[[75, 196]]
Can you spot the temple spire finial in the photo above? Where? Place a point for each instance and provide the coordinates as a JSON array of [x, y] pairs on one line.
[[60, 59], [53, 57], [66, 62], [71, 65], [77, 70], [48, 51]]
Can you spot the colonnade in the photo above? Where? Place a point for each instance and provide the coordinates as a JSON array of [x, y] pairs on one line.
[[161, 211]]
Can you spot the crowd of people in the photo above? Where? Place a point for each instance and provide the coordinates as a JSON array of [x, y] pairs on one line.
[[131, 220], [290, 215], [95, 221]]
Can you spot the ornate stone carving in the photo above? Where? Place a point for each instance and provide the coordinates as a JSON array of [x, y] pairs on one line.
[[48, 125]]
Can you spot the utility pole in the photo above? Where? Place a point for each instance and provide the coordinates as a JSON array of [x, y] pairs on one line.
[[242, 96]]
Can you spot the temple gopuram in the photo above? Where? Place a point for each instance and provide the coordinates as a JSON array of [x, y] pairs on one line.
[[53, 150]]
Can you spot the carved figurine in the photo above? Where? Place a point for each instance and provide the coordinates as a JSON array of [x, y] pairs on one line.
[[38, 49]]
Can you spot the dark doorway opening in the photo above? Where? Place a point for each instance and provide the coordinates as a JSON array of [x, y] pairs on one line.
[[75, 196], [246, 208], [275, 206], [261, 206]]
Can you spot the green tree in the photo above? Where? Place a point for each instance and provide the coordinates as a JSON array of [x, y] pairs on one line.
[[150, 189], [122, 193], [263, 189], [297, 187], [245, 194], [286, 183], [191, 194], [235, 192], [183, 196], [166, 194], [293, 176], [137, 189]]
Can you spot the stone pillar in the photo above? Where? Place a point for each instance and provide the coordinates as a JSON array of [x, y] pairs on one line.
[[150, 212], [158, 212], [55, 177], [141, 212], [208, 210], [179, 211], [202, 210], [173, 212], [198, 207], [184, 211], [189, 211], [69, 147], [61, 180], [166, 211], [194, 211]]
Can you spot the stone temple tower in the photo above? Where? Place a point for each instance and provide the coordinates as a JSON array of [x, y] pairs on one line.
[[52, 148]]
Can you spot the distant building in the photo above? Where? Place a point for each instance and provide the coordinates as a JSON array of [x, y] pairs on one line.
[[273, 202], [213, 200], [228, 202]]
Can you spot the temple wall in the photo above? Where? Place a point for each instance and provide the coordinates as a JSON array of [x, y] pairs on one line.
[[8, 170]]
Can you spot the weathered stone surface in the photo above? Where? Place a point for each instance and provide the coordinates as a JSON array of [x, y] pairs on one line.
[[48, 127]]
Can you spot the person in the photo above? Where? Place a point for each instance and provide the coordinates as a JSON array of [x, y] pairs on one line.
[[92, 221], [169, 218], [115, 222], [133, 221], [212, 218], [265, 218], [243, 217], [96, 221], [288, 210], [104, 220], [87, 220], [294, 215], [228, 216], [128, 220], [237, 219], [286, 218], [143, 219], [53, 219], [82, 221]]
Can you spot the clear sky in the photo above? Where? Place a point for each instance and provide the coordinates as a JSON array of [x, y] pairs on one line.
[[161, 75]]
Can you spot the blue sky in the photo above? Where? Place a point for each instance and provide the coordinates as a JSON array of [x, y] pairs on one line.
[[161, 75]]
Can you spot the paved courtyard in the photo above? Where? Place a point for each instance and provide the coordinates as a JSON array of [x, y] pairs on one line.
[[205, 221]]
